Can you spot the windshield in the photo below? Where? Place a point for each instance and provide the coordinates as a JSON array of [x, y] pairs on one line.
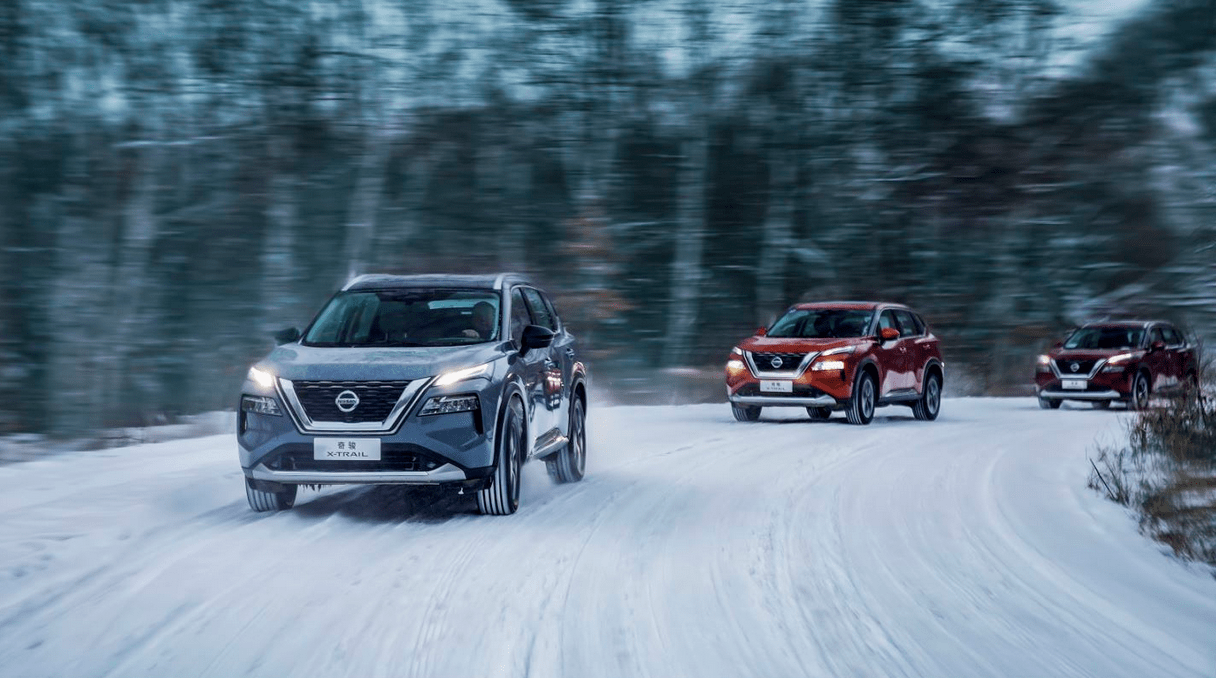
[[411, 317], [820, 323], [1105, 338]]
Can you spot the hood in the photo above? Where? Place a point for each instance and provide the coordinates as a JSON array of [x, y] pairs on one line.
[[1090, 353], [798, 345], [315, 363]]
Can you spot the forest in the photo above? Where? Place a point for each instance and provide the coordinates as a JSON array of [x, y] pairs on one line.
[[179, 179]]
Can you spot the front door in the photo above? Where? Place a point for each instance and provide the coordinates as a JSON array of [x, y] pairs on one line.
[[533, 366], [892, 357]]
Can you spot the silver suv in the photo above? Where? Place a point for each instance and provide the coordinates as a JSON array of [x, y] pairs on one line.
[[417, 380]]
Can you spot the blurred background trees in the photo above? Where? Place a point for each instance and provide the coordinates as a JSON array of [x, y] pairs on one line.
[[179, 178]]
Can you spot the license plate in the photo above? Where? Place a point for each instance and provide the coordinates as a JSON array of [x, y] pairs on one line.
[[1073, 384], [346, 449], [774, 386]]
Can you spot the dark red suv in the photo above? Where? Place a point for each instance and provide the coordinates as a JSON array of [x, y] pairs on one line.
[[1117, 361], [852, 356]]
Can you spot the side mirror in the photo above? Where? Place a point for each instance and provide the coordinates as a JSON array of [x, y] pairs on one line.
[[536, 336], [286, 336], [888, 334], [1058, 344], [762, 332], [1157, 346]]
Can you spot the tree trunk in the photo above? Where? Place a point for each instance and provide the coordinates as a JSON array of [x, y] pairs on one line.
[[776, 238], [687, 265], [361, 225]]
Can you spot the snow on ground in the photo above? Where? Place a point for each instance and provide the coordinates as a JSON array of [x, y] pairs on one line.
[[697, 546]]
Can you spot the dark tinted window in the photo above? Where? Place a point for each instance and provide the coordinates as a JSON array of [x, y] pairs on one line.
[[540, 311], [908, 325], [1172, 336], [410, 317], [519, 315], [821, 323], [1156, 336]]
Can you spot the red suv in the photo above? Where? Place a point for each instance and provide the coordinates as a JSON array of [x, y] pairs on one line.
[[1109, 361], [849, 355]]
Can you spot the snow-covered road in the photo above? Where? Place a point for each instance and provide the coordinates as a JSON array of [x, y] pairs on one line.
[[697, 546]]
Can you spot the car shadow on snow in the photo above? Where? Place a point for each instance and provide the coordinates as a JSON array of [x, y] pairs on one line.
[[880, 418], [386, 504]]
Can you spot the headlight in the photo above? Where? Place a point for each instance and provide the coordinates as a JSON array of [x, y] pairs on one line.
[[260, 405], [839, 351], [1044, 360], [735, 365], [450, 404], [260, 377], [1121, 358], [825, 365], [460, 375]]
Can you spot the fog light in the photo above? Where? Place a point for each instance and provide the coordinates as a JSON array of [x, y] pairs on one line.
[[450, 404], [260, 405]]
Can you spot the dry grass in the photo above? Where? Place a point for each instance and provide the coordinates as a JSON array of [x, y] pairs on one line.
[[1167, 473]]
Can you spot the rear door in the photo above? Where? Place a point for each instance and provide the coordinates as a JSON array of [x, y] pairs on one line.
[[912, 336]]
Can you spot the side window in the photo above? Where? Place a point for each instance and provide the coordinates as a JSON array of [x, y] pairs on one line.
[[539, 310], [887, 319], [519, 316], [1155, 336], [1173, 337], [908, 326]]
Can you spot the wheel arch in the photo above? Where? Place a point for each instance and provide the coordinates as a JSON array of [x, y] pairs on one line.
[[868, 365], [935, 366], [513, 389]]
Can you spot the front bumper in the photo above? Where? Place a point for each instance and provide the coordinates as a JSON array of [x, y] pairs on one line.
[[1099, 385], [784, 401], [1056, 394], [807, 387], [444, 474], [455, 447]]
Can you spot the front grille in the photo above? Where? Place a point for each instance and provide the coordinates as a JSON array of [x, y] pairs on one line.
[[1084, 367], [376, 399], [392, 458], [789, 361]]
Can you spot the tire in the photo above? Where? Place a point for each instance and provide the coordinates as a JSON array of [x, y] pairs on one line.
[[819, 413], [865, 397], [745, 412], [930, 402], [1050, 403], [1140, 392], [1101, 404], [262, 501], [501, 498], [569, 465]]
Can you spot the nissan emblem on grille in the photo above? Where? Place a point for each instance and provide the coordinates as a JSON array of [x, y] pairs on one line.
[[776, 362], [347, 401], [1074, 366]]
